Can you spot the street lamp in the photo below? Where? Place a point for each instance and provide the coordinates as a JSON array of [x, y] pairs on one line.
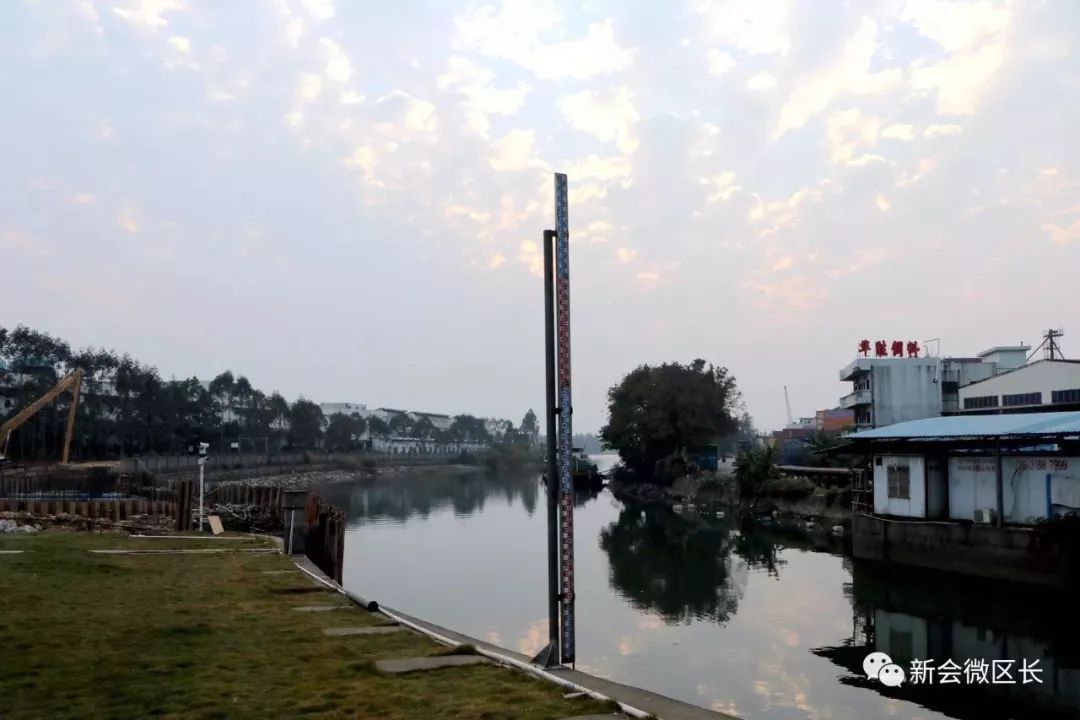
[[202, 467]]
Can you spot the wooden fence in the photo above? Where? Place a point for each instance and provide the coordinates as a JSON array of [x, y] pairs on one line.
[[324, 543], [43, 502]]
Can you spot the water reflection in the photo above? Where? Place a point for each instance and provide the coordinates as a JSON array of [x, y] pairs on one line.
[[398, 498], [921, 617], [767, 622]]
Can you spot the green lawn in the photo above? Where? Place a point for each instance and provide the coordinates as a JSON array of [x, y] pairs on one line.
[[211, 636]]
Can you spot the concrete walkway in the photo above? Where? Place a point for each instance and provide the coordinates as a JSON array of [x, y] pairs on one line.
[[663, 707]]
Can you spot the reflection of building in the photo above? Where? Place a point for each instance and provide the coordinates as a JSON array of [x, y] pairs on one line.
[[910, 619], [933, 477]]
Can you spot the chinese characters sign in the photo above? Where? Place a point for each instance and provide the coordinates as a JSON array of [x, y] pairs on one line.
[[883, 349], [974, 671]]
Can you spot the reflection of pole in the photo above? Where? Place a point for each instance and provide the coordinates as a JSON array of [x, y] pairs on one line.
[[566, 410], [550, 655]]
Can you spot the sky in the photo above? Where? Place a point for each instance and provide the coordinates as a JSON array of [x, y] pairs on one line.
[[346, 200]]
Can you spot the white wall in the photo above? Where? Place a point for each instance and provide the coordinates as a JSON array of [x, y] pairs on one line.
[[973, 485], [1042, 376], [915, 505], [905, 390]]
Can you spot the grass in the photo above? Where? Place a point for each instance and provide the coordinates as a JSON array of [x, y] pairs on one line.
[[213, 636]]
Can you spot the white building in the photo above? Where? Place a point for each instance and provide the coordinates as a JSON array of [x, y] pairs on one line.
[[1026, 388], [344, 408], [888, 390], [438, 420], [946, 476]]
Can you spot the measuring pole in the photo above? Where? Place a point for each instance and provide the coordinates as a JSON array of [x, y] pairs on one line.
[[566, 409], [550, 655]]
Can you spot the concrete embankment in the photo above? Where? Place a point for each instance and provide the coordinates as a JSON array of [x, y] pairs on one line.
[[634, 702]]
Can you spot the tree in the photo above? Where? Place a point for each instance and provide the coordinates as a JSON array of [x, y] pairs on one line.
[[305, 419], [755, 468], [655, 413], [344, 431], [423, 428], [378, 427], [529, 424], [278, 408], [400, 424], [469, 429]]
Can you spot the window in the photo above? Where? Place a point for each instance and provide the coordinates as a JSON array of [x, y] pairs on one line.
[[1034, 398], [1065, 396], [899, 482], [975, 403]]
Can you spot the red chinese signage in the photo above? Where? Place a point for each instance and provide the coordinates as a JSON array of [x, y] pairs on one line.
[[882, 349]]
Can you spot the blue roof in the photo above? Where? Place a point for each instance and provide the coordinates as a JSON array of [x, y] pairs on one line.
[[977, 426]]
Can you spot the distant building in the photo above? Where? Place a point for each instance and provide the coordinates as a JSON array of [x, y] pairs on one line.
[[439, 420], [834, 420], [889, 390], [1043, 385], [344, 408]]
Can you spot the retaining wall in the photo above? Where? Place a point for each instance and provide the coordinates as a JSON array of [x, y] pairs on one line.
[[1017, 554]]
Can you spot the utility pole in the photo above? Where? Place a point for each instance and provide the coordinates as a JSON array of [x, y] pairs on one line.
[[787, 402]]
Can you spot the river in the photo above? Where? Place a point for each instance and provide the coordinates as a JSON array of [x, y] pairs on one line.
[[765, 623]]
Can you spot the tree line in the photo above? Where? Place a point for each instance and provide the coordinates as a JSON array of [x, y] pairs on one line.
[[127, 408]]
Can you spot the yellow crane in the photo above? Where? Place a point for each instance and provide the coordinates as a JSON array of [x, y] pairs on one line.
[[72, 381]]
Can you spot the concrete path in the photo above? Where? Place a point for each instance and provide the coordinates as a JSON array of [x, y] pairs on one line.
[[406, 665], [659, 705], [369, 630], [323, 608]]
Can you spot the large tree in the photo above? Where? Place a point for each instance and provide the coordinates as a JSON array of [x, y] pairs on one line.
[[344, 431], [655, 413], [305, 423]]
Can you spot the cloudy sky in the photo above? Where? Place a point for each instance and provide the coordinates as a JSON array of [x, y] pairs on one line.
[[345, 199]]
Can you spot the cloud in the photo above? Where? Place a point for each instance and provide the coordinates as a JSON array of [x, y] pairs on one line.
[[849, 74], [496, 261], [1063, 235], [933, 131], [609, 116], [719, 62], [850, 130], [899, 132], [516, 150], [513, 31], [648, 280], [531, 257], [761, 80], [782, 263], [125, 220], [974, 36], [481, 97], [319, 9], [148, 14], [626, 255], [882, 203], [757, 27], [338, 66], [720, 187], [84, 198], [180, 43]]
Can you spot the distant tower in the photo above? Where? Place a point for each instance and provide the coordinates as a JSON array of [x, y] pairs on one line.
[[1051, 350]]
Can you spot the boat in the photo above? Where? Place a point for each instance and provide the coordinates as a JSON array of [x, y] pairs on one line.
[[583, 471]]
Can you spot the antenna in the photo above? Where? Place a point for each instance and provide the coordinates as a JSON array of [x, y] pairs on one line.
[[1052, 350], [937, 347], [787, 401]]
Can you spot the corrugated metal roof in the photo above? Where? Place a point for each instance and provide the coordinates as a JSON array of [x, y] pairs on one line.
[[972, 426]]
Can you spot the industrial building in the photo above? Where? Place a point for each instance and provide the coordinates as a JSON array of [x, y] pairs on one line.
[[964, 493], [888, 390]]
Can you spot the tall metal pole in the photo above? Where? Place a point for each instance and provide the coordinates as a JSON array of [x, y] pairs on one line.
[[550, 655], [566, 409]]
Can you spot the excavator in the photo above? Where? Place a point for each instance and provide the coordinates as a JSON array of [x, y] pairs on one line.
[[72, 381]]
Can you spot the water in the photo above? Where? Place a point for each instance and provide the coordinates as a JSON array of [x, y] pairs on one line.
[[762, 623]]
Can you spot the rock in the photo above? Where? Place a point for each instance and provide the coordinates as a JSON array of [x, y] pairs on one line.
[[838, 529], [12, 527]]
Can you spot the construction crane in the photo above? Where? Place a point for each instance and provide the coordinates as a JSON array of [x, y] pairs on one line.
[[787, 401], [72, 381]]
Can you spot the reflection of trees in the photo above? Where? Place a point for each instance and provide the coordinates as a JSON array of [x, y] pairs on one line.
[[679, 567], [400, 497]]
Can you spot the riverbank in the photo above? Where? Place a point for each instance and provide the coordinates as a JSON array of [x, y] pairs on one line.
[[218, 632], [786, 498]]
